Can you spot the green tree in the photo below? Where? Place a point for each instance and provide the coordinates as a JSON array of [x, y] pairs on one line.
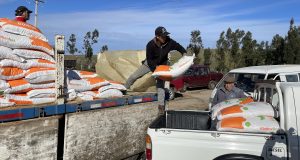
[[207, 55], [235, 42], [260, 53], [89, 39], [196, 44], [248, 50], [222, 48], [292, 45], [104, 48], [71, 44], [277, 50]]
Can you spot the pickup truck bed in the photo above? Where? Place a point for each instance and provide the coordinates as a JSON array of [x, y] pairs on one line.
[[188, 135], [183, 120]]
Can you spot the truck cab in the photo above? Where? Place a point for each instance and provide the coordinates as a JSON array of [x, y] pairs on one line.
[[246, 77], [189, 135]]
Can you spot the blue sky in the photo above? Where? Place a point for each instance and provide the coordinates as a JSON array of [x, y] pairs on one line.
[[130, 24]]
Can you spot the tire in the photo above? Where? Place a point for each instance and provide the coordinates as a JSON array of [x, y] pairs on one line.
[[171, 93], [212, 84], [238, 157], [184, 88]]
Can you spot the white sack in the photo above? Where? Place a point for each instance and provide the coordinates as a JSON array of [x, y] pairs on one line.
[[110, 93], [3, 85], [112, 85], [4, 102], [228, 103], [248, 110], [22, 28], [27, 64], [42, 93], [88, 84], [33, 54], [23, 99], [12, 73], [168, 73], [259, 124], [7, 53], [17, 41], [40, 75]]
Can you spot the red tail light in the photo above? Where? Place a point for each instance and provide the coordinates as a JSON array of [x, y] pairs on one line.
[[148, 148]]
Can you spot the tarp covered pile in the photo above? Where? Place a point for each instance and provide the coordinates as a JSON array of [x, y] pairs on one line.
[[245, 115], [119, 65]]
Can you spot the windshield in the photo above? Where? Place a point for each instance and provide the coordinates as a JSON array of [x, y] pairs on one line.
[[245, 81]]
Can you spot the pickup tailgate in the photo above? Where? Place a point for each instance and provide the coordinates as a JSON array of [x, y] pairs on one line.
[[207, 145], [192, 139]]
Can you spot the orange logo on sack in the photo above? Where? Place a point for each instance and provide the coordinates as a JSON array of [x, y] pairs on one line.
[[41, 43], [19, 24]]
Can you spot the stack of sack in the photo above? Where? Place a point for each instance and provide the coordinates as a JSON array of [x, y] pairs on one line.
[[245, 115], [28, 70], [169, 73], [89, 87], [27, 66]]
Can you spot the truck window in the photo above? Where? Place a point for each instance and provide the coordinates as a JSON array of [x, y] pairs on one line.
[[271, 76], [291, 78], [197, 72], [204, 71], [189, 72], [246, 81]]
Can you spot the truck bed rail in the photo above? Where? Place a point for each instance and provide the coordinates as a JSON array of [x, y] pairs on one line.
[[19, 113]]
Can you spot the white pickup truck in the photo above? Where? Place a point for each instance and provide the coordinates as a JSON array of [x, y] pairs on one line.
[[186, 135]]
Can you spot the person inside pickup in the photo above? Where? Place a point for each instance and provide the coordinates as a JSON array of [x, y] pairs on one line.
[[228, 91]]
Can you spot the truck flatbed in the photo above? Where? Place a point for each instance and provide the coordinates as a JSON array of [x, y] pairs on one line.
[[14, 113]]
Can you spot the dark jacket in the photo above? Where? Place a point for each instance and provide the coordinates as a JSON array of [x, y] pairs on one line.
[[223, 94], [157, 54]]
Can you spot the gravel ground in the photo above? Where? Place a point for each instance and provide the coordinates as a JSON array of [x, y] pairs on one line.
[[195, 99]]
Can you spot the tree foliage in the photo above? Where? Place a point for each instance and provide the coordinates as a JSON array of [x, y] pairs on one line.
[[222, 49], [196, 44], [71, 44], [104, 48], [239, 49], [90, 38], [207, 56], [292, 45]]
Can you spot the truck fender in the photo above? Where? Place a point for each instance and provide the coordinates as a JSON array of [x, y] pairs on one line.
[[234, 156]]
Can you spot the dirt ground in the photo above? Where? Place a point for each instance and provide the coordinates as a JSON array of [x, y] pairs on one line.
[[195, 99]]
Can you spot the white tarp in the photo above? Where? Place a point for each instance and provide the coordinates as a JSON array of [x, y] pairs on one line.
[[119, 65]]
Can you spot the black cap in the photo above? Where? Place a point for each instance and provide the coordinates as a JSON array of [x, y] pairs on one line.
[[161, 31], [22, 9]]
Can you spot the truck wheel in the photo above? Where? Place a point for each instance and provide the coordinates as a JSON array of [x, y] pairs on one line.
[[184, 88], [171, 93], [212, 84], [238, 157]]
